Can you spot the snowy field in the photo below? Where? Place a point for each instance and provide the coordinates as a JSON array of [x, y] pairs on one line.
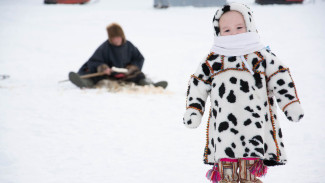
[[57, 133]]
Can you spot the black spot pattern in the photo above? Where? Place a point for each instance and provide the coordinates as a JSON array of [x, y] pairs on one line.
[[247, 122], [205, 69], [219, 140], [190, 99], [244, 86], [214, 112], [264, 64], [195, 81], [226, 8], [208, 151], [260, 150], [301, 116], [251, 97], [201, 101], [258, 80], [232, 118], [212, 142], [193, 114], [229, 152], [291, 85], [217, 29], [213, 57], [271, 101], [232, 59], [216, 66], [265, 147], [216, 103], [242, 137], [255, 143], [258, 125], [280, 82], [233, 145], [272, 134], [222, 90], [247, 108], [280, 133], [283, 91], [255, 115], [234, 131], [254, 61], [265, 103], [290, 97], [223, 126], [233, 80], [231, 97], [196, 105], [258, 138]]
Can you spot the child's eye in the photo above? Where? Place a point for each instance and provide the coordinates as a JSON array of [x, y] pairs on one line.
[[226, 30], [239, 27]]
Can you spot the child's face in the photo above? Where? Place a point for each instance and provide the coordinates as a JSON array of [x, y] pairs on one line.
[[232, 23]]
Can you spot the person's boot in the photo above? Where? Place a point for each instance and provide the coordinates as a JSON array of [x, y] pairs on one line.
[[162, 84], [78, 81], [147, 81], [244, 171], [228, 171]]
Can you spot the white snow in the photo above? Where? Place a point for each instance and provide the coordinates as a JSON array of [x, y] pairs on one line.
[[57, 133]]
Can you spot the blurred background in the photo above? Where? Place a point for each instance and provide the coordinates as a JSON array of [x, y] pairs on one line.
[[54, 132]]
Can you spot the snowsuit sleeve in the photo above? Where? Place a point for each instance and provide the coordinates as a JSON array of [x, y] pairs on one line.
[[280, 83], [99, 57], [197, 93], [136, 57]]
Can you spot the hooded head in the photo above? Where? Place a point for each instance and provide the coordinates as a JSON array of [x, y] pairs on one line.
[[115, 30], [242, 9]]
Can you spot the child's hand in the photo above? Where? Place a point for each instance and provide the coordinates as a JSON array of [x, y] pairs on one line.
[[294, 112], [192, 118]]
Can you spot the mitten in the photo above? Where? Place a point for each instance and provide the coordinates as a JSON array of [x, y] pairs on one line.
[[131, 69], [294, 112], [102, 68], [192, 118]]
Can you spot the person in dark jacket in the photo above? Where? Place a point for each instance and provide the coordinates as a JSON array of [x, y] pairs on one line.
[[116, 52]]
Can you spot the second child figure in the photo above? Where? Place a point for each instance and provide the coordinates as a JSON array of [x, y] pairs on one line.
[[244, 80]]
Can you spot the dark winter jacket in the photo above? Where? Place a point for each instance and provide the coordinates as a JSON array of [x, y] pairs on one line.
[[117, 56]]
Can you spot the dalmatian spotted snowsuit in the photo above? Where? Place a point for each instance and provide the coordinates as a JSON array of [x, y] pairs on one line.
[[243, 120]]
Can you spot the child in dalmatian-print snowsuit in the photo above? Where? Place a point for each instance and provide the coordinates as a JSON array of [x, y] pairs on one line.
[[244, 80]]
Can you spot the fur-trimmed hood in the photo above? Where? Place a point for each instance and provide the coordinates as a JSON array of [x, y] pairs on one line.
[[241, 8]]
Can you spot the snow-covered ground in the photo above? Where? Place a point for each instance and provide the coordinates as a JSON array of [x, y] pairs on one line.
[[57, 133]]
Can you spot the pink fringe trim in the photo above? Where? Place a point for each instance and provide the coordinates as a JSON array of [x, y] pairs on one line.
[[229, 160], [213, 174], [258, 169], [250, 158]]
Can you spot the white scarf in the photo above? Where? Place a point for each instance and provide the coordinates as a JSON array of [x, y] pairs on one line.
[[237, 45]]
